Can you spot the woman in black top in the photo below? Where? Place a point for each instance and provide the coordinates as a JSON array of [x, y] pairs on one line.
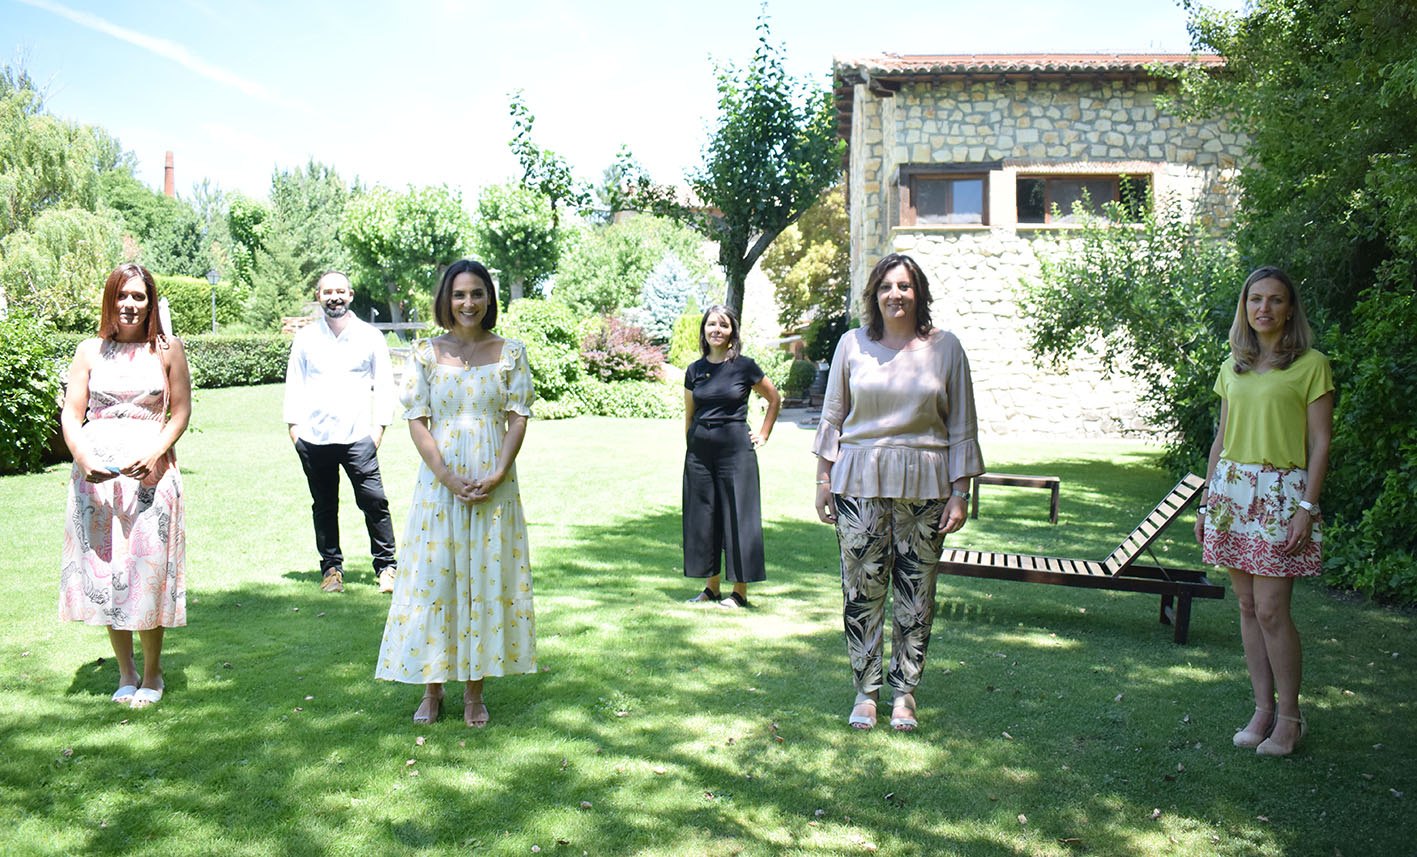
[[721, 506]]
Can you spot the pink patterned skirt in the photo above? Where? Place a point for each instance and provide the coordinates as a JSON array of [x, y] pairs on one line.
[[1247, 521]]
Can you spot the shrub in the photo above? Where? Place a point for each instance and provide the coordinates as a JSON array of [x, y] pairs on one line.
[[800, 375], [684, 341], [215, 360], [653, 399], [1160, 298], [550, 331], [823, 334], [1373, 475], [29, 392], [190, 301], [615, 351], [774, 362], [237, 360], [560, 409]]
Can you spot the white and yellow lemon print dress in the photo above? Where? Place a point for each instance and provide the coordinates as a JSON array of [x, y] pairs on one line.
[[462, 600]]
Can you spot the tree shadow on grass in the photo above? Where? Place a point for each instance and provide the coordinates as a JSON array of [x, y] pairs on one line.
[[696, 729]]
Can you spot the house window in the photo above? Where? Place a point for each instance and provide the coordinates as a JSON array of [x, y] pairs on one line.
[[944, 194], [1038, 196]]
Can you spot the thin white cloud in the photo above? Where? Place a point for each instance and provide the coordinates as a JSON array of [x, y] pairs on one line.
[[164, 48]]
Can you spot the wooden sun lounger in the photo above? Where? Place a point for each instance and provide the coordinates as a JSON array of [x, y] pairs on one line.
[[1119, 570]]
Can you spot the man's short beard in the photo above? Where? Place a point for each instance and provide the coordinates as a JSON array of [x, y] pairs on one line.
[[335, 311]]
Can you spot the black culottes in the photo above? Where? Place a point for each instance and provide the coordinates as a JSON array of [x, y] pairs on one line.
[[722, 509]]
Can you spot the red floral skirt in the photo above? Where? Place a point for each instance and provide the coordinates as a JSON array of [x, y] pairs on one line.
[[1247, 521]]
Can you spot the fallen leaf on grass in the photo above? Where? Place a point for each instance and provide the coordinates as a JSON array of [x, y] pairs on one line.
[[536, 849], [298, 708], [1155, 814], [1263, 818], [410, 762], [308, 698], [68, 752], [226, 665], [585, 804], [1070, 841], [1022, 819], [1395, 792], [659, 769], [819, 812], [419, 740], [1007, 735], [1117, 698]]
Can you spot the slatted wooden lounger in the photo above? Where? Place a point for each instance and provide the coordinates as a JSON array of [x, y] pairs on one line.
[[1118, 571]]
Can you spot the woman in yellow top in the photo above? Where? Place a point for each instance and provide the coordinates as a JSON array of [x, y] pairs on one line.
[[1260, 515]]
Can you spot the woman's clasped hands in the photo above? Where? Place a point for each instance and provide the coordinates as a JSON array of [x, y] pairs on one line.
[[471, 490]]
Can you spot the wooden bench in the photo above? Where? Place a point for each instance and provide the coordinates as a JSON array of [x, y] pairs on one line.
[[1015, 480], [1119, 571]]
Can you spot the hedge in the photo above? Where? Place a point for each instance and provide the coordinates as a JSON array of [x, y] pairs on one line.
[[215, 360], [653, 399]]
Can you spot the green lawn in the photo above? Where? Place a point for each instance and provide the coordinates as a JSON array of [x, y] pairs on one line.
[[1054, 721]]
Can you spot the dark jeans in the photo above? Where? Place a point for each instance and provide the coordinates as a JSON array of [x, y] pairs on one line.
[[361, 464]]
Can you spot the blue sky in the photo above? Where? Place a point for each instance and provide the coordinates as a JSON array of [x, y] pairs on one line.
[[415, 92]]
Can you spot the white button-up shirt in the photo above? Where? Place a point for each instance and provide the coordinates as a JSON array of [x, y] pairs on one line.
[[336, 387]]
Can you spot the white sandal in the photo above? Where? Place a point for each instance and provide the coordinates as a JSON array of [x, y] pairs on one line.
[[862, 721]]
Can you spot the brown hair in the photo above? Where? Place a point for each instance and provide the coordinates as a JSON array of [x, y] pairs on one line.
[[1297, 337], [735, 343], [108, 315], [443, 298], [875, 325]]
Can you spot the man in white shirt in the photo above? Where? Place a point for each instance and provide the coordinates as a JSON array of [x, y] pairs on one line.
[[339, 371]]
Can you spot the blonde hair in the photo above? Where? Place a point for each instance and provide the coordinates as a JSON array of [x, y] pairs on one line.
[[1297, 337]]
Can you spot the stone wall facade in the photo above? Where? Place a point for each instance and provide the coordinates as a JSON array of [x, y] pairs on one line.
[[1083, 125]]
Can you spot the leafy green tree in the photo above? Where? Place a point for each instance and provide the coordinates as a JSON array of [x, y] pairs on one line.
[[1327, 92], [543, 170], [603, 269], [166, 231], [614, 195], [810, 264], [773, 151], [404, 239], [516, 235], [668, 289], [308, 204], [45, 162], [54, 270], [1154, 301]]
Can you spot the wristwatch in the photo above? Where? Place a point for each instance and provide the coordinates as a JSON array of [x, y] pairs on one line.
[[1311, 508], [963, 495]]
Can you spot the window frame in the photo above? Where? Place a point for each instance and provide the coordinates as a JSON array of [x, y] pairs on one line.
[[1048, 177], [908, 174]]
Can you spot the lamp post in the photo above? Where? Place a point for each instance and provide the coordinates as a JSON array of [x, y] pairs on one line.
[[213, 277]]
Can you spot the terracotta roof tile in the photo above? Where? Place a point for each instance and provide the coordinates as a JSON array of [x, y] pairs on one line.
[[908, 65]]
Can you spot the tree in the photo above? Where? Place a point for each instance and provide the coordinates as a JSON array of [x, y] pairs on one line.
[[54, 270], [810, 265], [516, 235], [1154, 300], [602, 269], [167, 232], [613, 195], [773, 151], [667, 290], [405, 239], [543, 170], [45, 162]]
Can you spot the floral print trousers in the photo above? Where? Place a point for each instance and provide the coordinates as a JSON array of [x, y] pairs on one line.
[[888, 543]]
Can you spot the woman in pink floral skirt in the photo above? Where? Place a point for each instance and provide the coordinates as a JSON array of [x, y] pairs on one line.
[[128, 400]]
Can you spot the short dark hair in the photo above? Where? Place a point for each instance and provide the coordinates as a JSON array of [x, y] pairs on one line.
[[735, 344], [108, 315], [324, 274], [443, 298], [875, 325]]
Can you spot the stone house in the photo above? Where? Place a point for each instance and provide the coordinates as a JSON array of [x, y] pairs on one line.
[[959, 162]]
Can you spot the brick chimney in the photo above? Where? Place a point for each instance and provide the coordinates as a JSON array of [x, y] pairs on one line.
[[168, 184]]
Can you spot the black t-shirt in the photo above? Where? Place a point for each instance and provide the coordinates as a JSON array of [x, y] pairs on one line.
[[721, 389]]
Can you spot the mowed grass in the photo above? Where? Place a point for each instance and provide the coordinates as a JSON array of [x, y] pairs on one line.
[[1054, 721]]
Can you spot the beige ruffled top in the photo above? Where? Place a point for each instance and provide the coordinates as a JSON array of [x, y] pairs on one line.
[[899, 424]]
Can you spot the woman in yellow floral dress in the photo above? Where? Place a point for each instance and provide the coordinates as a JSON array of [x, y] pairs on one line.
[[462, 607]]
